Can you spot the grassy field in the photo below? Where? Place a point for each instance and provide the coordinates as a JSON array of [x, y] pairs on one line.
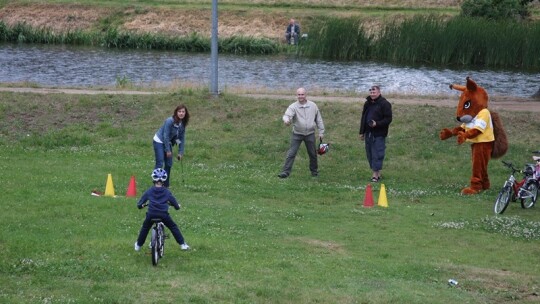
[[254, 238]]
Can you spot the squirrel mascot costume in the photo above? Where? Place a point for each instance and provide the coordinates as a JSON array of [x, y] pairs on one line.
[[482, 128]]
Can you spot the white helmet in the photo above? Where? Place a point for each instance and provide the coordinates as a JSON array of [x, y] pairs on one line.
[[159, 175], [323, 148]]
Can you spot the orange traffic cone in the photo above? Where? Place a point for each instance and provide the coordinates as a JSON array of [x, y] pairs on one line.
[[383, 202], [109, 188], [132, 188], [368, 198]]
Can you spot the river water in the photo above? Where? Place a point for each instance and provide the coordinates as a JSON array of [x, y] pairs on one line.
[[72, 66]]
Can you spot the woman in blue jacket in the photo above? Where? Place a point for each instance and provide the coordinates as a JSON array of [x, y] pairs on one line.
[[171, 133]]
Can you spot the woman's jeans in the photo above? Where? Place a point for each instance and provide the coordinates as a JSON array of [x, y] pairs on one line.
[[162, 161]]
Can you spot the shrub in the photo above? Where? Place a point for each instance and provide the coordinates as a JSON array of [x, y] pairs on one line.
[[496, 9]]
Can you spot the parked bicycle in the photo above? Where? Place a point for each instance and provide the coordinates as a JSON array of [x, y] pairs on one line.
[[526, 190]]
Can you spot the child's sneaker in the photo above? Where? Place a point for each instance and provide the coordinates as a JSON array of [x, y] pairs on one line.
[[184, 246], [137, 247]]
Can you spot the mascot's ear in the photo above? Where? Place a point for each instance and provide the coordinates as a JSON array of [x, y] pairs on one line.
[[477, 94], [471, 85], [458, 87]]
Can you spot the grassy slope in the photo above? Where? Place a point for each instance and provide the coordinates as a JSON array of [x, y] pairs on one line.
[[251, 18], [255, 238]]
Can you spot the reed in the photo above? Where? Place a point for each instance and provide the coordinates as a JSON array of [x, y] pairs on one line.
[[459, 41], [114, 38], [248, 45], [531, 50], [337, 38]]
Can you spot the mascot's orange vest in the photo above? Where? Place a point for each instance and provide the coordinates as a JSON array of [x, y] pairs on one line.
[[484, 129]]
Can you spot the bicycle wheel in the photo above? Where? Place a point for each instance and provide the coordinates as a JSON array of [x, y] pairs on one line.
[[503, 199], [155, 251], [530, 195], [161, 243]]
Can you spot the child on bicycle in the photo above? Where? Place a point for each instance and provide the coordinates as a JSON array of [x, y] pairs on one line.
[[160, 197]]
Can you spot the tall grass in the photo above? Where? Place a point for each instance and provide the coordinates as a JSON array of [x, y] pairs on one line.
[[254, 238], [337, 38], [429, 40], [114, 38], [459, 41]]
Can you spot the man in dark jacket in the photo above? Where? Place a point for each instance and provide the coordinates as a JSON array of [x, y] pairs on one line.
[[293, 32], [376, 118]]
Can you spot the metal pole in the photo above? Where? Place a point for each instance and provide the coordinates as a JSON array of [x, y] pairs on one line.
[[214, 51]]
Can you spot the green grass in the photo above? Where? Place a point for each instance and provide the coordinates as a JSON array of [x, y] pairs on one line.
[[254, 238]]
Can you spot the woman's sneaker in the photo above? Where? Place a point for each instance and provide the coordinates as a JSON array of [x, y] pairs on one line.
[[137, 247], [184, 246]]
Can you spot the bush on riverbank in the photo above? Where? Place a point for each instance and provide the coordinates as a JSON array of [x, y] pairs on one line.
[[431, 40]]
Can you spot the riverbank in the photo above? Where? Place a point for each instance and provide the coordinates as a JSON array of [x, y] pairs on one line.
[[256, 18], [236, 18]]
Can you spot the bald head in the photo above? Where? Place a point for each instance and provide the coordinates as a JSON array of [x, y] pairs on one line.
[[301, 95]]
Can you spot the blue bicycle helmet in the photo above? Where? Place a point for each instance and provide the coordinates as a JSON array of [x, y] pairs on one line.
[[159, 175]]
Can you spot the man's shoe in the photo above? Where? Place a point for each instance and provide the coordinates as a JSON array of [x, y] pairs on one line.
[[184, 246], [137, 247], [314, 174], [283, 175]]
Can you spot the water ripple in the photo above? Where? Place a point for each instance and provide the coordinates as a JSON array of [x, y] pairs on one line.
[[83, 66]]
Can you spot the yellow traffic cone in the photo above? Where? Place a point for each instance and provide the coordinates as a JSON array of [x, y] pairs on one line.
[[109, 189], [383, 202]]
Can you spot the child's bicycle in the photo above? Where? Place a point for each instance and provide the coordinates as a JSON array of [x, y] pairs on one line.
[[526, 190], [157, 241]]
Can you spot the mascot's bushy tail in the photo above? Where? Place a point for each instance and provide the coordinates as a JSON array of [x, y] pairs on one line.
[[500, 145]]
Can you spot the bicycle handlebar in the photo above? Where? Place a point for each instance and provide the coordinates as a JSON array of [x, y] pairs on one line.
[[511, 166], [507, 163], [147, 203]]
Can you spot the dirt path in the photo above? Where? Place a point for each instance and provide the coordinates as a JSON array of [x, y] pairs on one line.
[[500, 103], [497, 103], [76, 91]]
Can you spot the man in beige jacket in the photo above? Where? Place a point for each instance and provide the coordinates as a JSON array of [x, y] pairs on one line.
[[305, 116]]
